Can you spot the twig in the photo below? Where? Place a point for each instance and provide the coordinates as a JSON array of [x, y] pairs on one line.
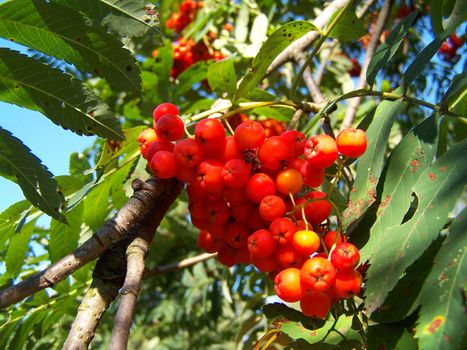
[[113, 230], [305, 41], [315, 93], [180, 264], [110, 272], [370, 51], [295, 119]]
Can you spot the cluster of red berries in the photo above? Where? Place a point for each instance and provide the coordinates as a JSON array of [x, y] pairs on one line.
[[448, 49], [187, 13], [253, 200], [271, 126]]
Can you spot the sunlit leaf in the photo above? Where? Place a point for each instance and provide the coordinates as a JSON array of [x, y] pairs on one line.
[[31, 84], [442, 320], [437, 190], [63, 33]]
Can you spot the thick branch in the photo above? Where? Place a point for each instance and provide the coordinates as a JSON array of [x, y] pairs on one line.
[[110, 271], [113, 230], [300, 45], [370, 51], [135, 256]]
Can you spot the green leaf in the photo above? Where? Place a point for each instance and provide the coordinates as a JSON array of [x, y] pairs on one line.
[[424, 57], [25, 327], [111, 150], [326, 334], [458, 14], [275, 44], [436, 14], [407, 162], [10, 218], [195, 74], [96, 206], [19, 165], [437, 190], [222, 78], [118, 179], [348, 28], [388, 336], [455, 97], [442, 320], [31, 84], [369, 168], [63, 33], [64, 237], [17, 250], [386, 51], [79, 164], [125, 17]]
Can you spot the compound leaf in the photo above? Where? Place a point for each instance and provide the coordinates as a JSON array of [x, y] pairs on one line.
[[31, 84], [63, 33]]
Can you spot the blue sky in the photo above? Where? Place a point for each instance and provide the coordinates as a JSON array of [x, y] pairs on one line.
[[49, 142]]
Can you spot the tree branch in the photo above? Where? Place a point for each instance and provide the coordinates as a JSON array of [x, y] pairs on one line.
[[109, 274], [305, 41], [180, 264], [370, 51], [113, 230]]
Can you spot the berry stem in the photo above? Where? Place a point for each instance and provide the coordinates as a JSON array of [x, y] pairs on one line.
[[338, 216]]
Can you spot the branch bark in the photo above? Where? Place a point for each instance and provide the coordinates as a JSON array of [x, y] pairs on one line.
[[305, 41], [370, 51], [113, 230], [109, 274]]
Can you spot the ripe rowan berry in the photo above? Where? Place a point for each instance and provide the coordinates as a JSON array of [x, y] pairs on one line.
[[315, 304], [345, 257], [158, 145], [289, 181], [236, 234], [297, 139], [258, 186], [170, 127], [305, 242], [282, 230], [163, 165], [287, 285], [271, 207], [351, 142], [249, 134], [236, 173], [321, 151], [145, 138], [261, 244], [164, 108], [317, 274], [206, 243], [347, 283], [330, 238], [275, 152], [286, 256], [188, 153]]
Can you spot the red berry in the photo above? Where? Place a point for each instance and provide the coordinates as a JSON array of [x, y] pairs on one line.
[[261, 244], [210, 134], [206, 242], [315, 304], [347, 283], [305, 242], [163, 165], [236, 173], [271, 207], [287, 285], [170, 127], [319, 210], [317, 274], [164, 108], [217, 211], [321, 151], [258, 186], [188, 153], [210, 175], [351, 142], [286, 256], [297, 139], [282, 230], [275, 152], [345, 257], [289, 181], [330, 238], [236, 234], [158, 145], [312, 176], [249, 134]]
